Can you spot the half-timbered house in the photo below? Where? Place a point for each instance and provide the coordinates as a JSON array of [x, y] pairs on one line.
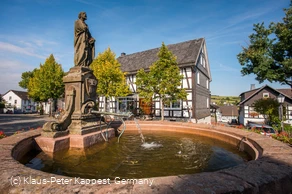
[[192, 59], [247, 111]]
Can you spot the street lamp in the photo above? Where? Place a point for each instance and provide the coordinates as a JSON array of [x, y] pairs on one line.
[[281, 99]]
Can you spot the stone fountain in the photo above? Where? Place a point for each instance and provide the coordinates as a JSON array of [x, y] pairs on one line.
[[78, 127]]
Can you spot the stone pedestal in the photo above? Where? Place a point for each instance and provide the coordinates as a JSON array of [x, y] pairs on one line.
[[55, 144], [77, 127], [84, 83], [51, 145], [83, 141]]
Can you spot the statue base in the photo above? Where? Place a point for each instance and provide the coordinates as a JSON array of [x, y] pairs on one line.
[[54, 143], [77, 127]]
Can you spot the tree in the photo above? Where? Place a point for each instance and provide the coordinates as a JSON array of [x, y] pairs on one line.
[[2, 102], [163, 81], [269, 54], [268, 108], [47, 81], [111, 79], [25, 76]]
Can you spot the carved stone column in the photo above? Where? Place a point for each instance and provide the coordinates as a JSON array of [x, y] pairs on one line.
[[84, 83]]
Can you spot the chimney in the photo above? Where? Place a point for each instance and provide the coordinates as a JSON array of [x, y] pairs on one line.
[[252, 86], [123, 54]]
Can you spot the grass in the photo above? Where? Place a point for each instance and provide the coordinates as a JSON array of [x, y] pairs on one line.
[[221, 100]]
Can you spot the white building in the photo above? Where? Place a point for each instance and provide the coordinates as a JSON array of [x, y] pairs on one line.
[[18, 101]]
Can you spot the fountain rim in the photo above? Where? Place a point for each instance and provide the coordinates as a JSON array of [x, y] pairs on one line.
[[272, 157]]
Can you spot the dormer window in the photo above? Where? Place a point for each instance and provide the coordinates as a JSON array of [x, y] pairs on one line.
[[198, 78], [266, 95], [203, 60]]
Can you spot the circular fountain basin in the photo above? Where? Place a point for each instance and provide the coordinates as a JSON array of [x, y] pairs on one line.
[[164, 153], [270, 171]]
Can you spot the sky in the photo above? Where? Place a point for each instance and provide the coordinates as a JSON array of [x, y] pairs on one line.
[[31, 30]]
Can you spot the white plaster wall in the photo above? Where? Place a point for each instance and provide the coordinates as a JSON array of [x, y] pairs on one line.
[[11, 101]]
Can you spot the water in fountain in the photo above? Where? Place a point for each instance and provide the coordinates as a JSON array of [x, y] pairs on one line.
[[145, 145], [139, 130], [171, 154]]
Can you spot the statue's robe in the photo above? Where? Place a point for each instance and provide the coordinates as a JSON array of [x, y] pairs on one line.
[[84, 50]]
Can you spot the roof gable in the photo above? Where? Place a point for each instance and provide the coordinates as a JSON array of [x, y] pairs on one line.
[[284, 92], [21, 94], [186, 53]]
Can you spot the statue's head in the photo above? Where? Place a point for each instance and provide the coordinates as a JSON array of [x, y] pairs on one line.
[[82, 15]]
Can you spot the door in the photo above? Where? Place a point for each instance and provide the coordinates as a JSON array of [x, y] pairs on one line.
[[145, 107]]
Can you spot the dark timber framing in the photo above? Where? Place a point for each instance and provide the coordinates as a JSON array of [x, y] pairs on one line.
[[193, 62]]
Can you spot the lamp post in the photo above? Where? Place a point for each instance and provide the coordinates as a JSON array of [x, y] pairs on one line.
[[281, 99]]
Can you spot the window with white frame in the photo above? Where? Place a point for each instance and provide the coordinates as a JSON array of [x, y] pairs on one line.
[[252, 113], [126, 104], [204, 62], [173, 105], [208, 103], [266, 95], [207, 84], [198, 78]]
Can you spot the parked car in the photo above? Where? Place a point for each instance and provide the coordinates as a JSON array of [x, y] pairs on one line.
[[9, 112], [233, 122], [224, 120], [27, 111], [265, 129]]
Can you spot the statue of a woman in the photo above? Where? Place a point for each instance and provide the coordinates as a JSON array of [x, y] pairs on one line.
[[83, 42]]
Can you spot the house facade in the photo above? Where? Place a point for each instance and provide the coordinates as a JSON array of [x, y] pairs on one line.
[[246, 108], [192, 59], [18, 101]]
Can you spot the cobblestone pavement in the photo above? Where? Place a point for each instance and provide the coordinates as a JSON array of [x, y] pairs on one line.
[[11, 123]]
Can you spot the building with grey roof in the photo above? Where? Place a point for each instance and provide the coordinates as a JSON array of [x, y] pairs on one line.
[[192, 59]]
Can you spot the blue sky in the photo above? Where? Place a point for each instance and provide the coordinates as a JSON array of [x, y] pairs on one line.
[[31, 30]]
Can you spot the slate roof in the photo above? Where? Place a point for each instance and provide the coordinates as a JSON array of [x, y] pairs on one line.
[[229, 110], [286, 92], [21, 94], [186, 53]]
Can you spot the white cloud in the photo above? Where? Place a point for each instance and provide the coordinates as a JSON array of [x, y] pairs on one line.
[[11, 66], [7, 47], [9, 81]]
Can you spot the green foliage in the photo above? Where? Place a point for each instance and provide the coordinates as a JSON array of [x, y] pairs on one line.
[[47, 81], [111, 80], [220, 100], [268, 107], [269, 55], [2, 102], [285, 136], [25, 76], [163, 81]]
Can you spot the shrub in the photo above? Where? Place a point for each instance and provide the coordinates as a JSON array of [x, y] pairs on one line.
[[2, 134], [284, 137]]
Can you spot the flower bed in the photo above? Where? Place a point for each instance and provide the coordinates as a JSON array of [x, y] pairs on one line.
[[2, 134]]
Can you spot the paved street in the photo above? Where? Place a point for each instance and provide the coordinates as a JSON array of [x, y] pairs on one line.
[[10, 123]]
